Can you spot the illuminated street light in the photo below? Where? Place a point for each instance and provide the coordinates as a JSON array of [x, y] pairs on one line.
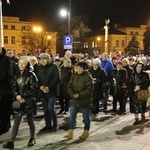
[[63, 12], [67, 12], [49, 37], [37, 29]]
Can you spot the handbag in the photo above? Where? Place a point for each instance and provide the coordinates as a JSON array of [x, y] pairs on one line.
[[142, 95], [16, 105]]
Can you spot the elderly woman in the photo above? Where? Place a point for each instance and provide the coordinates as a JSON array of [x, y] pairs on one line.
[[24, 88], [65, 73], [80, 89], [118, 82], [99, 77], [138, 80]]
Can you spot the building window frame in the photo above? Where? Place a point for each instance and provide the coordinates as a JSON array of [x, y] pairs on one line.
[[117, 43], [13, 40], [6, 39], [5, 26], [23, 40], [12, 27]]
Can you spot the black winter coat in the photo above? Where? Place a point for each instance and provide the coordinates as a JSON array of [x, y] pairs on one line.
[[120, 76], [48, 76], [25, 84], [6, 75], [137, 106], [101, 77], [65, 73]]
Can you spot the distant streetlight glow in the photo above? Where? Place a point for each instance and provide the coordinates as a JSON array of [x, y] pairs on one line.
[[49, 37], [63, 12], [37, 29]]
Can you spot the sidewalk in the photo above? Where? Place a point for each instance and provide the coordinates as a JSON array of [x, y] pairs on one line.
[[107, 133]]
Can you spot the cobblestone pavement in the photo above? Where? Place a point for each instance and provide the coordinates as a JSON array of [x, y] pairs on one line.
[[107, 133]]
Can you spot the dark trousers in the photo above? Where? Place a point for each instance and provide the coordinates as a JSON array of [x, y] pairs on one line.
[[115, 100], [17, 120], [64, 103], [95, 107], [5, 112]]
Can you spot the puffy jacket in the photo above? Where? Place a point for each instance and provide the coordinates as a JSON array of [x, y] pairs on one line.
[[25, 84], [83, 85]]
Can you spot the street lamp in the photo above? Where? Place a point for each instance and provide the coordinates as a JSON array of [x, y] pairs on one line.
[[67, 12]]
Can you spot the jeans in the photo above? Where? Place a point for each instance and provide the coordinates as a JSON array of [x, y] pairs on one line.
[[73, 114], [49, 111]]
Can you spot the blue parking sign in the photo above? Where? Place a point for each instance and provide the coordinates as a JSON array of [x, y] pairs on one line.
[[68, 40]]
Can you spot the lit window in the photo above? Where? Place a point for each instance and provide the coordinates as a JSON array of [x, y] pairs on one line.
[[93, 45], [96, 45]]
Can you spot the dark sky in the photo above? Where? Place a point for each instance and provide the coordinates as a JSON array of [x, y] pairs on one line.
[[118, 11]]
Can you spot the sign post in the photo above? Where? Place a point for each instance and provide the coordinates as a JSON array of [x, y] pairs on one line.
[[68, 40]]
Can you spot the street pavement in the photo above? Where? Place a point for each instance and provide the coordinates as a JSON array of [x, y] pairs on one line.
[[107, 133]]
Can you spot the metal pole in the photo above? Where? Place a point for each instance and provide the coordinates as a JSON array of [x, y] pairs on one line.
[[69, 17], [106, 34], [1, 19]]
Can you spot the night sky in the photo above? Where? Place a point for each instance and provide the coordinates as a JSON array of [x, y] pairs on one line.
[[118, 11]]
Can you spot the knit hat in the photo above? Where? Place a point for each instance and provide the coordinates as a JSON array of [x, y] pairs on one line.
[[96, 61], [44, 55], [83, 64]]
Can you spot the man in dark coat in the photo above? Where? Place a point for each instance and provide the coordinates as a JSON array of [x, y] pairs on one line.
[[6, 71], [48, 77]]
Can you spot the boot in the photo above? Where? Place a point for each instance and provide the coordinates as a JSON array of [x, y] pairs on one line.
[[142, 119], [31, 142], [136, 121], [9, 145], [84, 135], [70, 134]]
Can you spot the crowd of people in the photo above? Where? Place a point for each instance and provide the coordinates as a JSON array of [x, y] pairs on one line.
[[79, 84]]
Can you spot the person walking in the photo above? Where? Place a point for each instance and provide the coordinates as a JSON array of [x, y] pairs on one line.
[[24, 89], [80, 89]]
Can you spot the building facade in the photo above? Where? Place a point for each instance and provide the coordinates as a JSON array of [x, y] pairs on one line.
[[15, 37], [118, 39]]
